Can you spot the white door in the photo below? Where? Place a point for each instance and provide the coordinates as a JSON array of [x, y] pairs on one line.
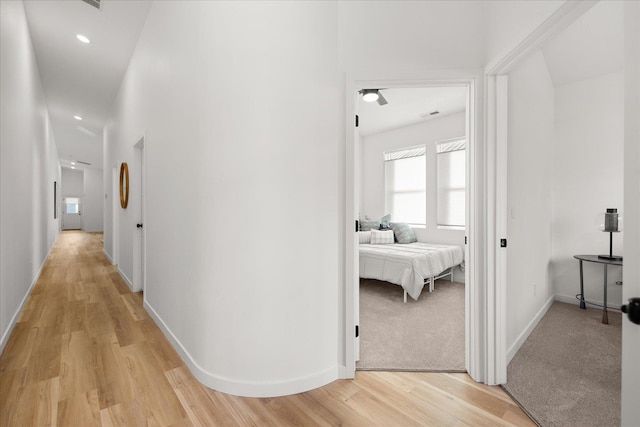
[[72, 213], [137, 195], [631, 213]]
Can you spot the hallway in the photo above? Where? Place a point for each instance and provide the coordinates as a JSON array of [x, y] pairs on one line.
[[86, 353]]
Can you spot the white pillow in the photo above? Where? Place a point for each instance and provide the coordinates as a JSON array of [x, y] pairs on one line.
[[364, 236], [381, 237]]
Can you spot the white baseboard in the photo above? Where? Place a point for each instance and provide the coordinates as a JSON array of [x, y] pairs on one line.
[[243, 387], [14, 319], [107, 255], [571, 299], [125, 278], [513, 349]]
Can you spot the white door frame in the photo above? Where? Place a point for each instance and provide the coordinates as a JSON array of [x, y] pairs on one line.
[[139, 211], [631, 250], [80, 209], [496, 79], [115, 220], [474, 326]]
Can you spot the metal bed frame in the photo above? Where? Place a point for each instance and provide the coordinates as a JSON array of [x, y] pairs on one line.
[[431, 280]]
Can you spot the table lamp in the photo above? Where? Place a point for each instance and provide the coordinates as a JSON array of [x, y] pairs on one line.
[[610, 222]]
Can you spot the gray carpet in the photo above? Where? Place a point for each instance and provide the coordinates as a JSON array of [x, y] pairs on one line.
[[567, 373], [427, 334]]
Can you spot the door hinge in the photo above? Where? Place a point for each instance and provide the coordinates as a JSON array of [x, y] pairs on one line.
[[357, 120], [357, 226], [465, 240], [503, 243], [357, 331]]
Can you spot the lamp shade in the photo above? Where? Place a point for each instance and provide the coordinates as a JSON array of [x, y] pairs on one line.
[[609, 221]]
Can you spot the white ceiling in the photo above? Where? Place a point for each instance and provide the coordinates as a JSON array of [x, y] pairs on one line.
[[82, 79], [592, 46], [409, 106]]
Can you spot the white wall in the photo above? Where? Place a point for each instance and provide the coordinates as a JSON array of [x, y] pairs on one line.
[[93, 213], [372, 186], [72, 183], [587, 177], [28, 168], [529, 190], [218, 88], [509, 22], [393, 39], [241, 187]]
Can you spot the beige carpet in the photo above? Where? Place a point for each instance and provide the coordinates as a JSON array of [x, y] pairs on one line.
[[567, 373], [427, 334]]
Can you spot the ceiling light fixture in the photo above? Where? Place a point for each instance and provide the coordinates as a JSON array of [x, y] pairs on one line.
[[373, 95], [77, 117], [370, 95], [82, 38], [73, 163], [73, 167]]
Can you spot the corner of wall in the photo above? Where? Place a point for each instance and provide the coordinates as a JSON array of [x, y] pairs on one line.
[[515, 346]]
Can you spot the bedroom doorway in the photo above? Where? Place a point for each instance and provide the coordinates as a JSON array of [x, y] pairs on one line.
[[412, 139], [357, 202]]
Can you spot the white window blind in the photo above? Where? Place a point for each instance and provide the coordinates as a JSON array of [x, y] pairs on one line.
[[405, 173], [451, 167]]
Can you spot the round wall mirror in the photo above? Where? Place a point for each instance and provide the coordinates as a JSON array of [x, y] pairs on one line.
[[124, 185]]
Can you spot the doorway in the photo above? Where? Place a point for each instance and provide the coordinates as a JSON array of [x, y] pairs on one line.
[[470, 358], [72, 213], [115, 214], [137, 194], [413, 140]]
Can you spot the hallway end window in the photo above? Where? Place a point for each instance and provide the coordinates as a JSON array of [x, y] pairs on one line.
[[71, 205]]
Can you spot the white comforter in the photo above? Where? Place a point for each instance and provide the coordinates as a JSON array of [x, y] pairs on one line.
[[407, 265]]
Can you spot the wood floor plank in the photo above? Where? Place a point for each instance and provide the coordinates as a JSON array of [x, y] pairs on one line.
[[81, 409], [77, 362], [86, 353], [114, 386], [154, 390], [113, 416], [193, 397], [164, 353], [133, 303], [45, 408]]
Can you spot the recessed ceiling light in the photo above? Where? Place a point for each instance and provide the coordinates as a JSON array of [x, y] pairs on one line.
[[77, 117], [73, 163], [73, 167], [83, 39]]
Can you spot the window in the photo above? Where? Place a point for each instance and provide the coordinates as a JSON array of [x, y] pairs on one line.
[[71, 205], [405, 175], [451, 166]]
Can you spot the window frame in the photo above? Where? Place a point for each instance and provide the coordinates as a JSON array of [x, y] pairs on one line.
[[449, 146], [400, 154]]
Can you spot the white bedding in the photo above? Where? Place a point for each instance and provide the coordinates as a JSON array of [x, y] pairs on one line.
[[407, 265]]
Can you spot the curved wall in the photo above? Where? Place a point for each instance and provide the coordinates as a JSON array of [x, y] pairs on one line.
[[238, 104]]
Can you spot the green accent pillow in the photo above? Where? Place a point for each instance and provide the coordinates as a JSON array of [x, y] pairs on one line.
[[403, 232]]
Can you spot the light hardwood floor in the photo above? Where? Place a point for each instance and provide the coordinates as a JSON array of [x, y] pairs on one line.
[[85, 353]]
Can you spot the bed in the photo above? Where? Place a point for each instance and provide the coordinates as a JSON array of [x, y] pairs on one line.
[[411, 265]]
